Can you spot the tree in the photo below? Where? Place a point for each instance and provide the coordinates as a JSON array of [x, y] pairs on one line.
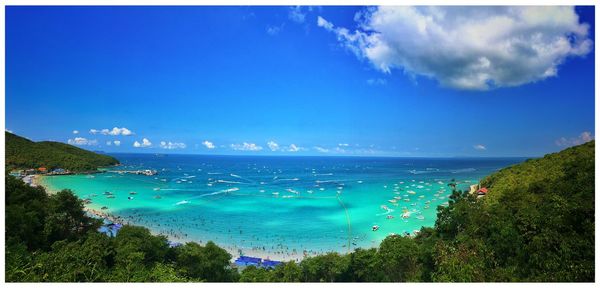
[[401, 255], [66, 218], [209, 263], [365, 266]]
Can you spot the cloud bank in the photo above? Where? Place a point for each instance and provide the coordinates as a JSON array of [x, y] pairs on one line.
[[145, 143], [208, 144], [172, 145], [582, 138], [246, 147], [114, 132], [469, 48], [273, 145], [479, 147], [82, 141]]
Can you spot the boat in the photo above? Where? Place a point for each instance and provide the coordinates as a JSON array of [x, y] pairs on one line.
[[426, 207], [157, 197], [390, 217], [182, 202], [132, 193], [397, 197], [103, 208], [375, 227], [156, 189], [130, 198], [110, 196], [421, 217], [406, 214], [107, 193], [392, 201]]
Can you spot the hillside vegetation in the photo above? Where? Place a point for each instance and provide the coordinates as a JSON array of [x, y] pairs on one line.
[[22, 153], [535, 224]]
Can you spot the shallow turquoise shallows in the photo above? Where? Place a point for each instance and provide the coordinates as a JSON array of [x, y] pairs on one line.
[[278, 207]]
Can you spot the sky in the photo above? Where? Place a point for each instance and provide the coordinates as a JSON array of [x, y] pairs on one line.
[[340, 81]]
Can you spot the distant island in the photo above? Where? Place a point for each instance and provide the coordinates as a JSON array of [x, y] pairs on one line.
[[533, 222]]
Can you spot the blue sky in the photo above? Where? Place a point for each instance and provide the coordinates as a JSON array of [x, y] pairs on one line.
[[312, 80]]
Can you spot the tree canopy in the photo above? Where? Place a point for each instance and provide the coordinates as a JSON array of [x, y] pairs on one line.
[[22, 153]]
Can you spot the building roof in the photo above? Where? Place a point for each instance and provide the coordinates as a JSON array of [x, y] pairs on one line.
[[483, 190]]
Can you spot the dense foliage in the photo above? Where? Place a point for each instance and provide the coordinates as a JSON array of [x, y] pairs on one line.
[[50, 238], [22, 153], [535, 224]]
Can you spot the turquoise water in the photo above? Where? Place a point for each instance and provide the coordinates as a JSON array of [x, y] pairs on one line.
[[281, 207]]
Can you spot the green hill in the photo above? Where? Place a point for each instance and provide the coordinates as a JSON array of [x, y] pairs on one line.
[[22, 153], [535, 224]]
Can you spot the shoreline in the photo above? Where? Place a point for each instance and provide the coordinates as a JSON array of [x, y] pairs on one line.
[[234, 251]]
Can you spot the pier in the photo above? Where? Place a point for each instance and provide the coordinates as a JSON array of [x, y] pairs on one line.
[[146, 172]]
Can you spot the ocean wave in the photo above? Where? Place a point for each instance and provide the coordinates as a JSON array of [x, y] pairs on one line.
[[388, 211], [229, 182], [286, 179], [463, 170], [217, 192]]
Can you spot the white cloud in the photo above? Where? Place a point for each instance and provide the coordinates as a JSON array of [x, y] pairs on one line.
[[321, 22], [9, 131], [117, 143], [295, 14], [339, 150], [479, 147], [582, 138], [376, 82], [208, 144], [108, 143], [273, 145], [274, 30], [473, 48], [321, 149], [343, 144], [75, 132], [172, 145], [115, 131], [145, 143], [294, 148], [246, 147], [82, 141], [120, 131]]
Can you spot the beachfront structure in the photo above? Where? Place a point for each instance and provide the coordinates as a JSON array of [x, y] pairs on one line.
[[244, 261], [482, 191], [146, 172], [110, 229]]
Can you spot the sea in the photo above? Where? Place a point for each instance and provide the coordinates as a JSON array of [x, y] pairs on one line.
[[282, 208]]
